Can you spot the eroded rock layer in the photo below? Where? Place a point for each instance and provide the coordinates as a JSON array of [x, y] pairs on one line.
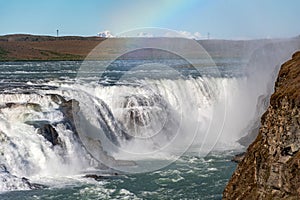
[[271, 166]]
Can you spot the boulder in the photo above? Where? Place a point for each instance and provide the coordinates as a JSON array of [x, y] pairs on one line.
[[57, 98], [70, 109], [50, 134], [238, 158], [9, 181], [100, 177]]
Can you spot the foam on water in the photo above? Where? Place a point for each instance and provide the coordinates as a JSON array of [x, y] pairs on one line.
[[166, 106], [146, 120], [26, 153]]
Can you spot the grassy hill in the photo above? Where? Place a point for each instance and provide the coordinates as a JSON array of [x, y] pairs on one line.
[[30, 47], [23, 47]]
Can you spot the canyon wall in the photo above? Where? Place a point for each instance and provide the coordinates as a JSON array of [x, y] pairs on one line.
[[271, 166]]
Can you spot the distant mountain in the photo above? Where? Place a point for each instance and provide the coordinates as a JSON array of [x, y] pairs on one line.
[[105, 34]]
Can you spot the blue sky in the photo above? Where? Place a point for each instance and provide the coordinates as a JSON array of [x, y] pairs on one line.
[[229, 19]]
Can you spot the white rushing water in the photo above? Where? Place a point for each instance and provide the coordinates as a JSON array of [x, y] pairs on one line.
[[159, 119]]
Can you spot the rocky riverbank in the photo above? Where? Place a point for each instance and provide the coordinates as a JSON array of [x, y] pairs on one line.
[[271, 166]]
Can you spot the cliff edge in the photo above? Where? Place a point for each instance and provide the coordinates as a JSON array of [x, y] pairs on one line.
[[271, 166]]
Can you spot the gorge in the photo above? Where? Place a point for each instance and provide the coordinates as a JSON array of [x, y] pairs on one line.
[[270, 168]]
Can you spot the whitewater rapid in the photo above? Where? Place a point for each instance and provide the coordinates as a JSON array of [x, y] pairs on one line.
[[154, 119], [65, 127]]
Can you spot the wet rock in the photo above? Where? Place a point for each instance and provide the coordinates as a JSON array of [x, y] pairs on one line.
[[70, 109], [251, 135], [57, 98], [96, 177], [10, 105], [100, 177], [238, 158], [32, 186], [9, 181], [33, 106], [50, 134], [37, 123], [271, 167]]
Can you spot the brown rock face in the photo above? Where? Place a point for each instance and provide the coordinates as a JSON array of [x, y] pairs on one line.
[[49, 133], [271, 167]]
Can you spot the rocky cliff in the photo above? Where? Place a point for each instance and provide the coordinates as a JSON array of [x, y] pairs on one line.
[[271, 166]]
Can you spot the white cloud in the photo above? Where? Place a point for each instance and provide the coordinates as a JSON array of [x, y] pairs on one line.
[[183, 34], [105, 34], [136, 34], [190, 35], [144, 34], [197, 35]]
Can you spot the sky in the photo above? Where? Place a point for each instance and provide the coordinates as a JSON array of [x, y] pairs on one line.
[[222, 19]]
